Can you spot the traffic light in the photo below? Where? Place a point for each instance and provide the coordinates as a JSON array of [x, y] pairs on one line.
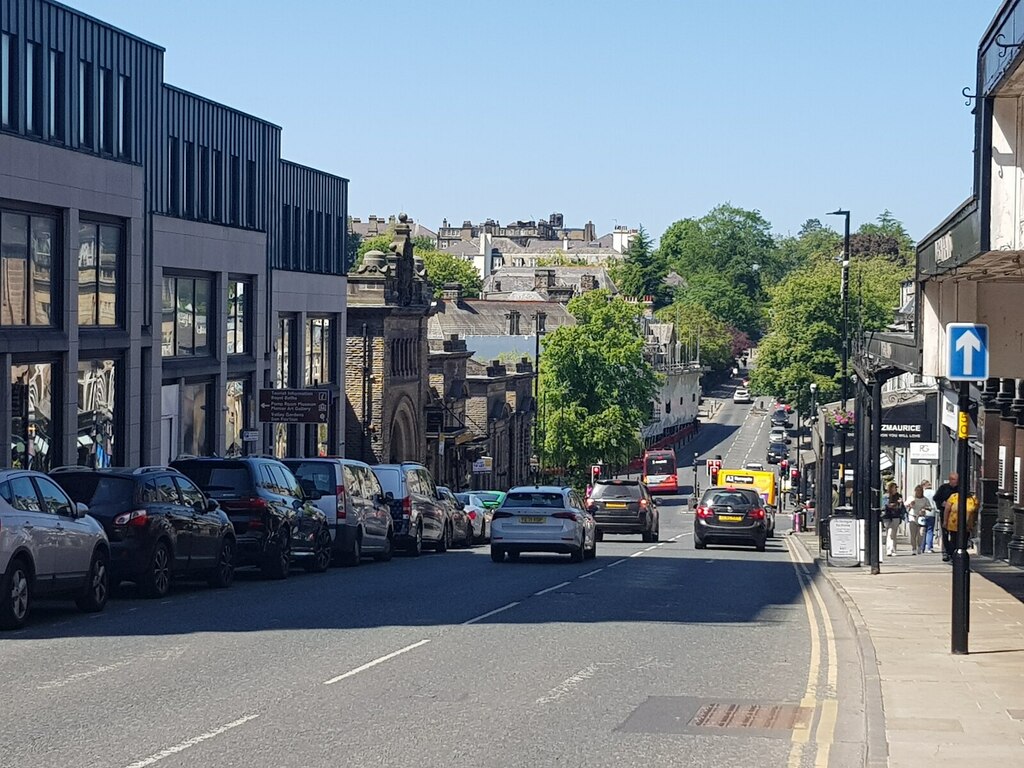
[[595, 472], [784, 465], [794, 475]]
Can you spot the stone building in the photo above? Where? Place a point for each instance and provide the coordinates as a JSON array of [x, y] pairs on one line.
[[501, 411], [386, 354], [449, 440]]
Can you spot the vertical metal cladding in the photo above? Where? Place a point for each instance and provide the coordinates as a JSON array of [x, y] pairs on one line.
[[323, 195]]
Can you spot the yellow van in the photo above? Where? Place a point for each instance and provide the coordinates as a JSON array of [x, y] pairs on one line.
[[762, 482]]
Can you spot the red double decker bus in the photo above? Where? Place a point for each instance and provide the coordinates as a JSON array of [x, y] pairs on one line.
[[659, 474]]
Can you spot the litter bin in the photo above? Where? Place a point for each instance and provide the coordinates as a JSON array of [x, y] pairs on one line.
[[844, 534]]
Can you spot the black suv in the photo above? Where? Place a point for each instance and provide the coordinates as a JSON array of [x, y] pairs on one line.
[[777, 452], [419, 513], [273, 516], [624, 506], [160, 525], [730, 516]]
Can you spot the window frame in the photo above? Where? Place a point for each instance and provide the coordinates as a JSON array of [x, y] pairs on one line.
[[56, 276], [240, 330], [211, 314], [8, 81], [86, 104], [119, 269], [326, 356]]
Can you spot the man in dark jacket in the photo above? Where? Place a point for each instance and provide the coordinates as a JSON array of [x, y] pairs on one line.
[[941, 497]]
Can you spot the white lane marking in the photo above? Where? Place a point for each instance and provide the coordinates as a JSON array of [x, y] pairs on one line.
[[588, 574], [375, 662], [655, 546], [637, 554], [483, 616], [617, 562], [83, 675], [551, 589], [566, 687], [191, 742]]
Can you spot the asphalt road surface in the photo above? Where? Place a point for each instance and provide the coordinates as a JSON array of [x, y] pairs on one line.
[[650, 655]]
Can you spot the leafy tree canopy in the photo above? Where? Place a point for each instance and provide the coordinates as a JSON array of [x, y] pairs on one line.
[[443, 267], [642, 271], [696, 325]]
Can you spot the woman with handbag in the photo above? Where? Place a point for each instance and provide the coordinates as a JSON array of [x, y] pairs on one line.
[[922, 520], [892, 516]]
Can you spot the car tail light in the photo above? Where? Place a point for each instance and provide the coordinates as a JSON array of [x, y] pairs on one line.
[[340, 493], [643, 503], [566, 516], [256, 502], [407, 508], [500, 515], [705, 512], [137, 518], [757, 514], [472, 514]]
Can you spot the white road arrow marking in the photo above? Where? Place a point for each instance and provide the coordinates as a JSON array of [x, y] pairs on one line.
[[967, 345]]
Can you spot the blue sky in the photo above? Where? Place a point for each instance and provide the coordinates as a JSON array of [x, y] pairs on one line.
[[624, 113]]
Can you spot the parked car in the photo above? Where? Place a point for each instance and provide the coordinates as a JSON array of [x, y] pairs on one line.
[[419, 515], [742, 396], [777, 452], [462, 527], [479, 515], [543, 518], [730, 516], [778, 435], [351, 498], [49, 546], [624, 506], [274, 519], [491, 499], [757, 466], [780, 418], [160, 525]]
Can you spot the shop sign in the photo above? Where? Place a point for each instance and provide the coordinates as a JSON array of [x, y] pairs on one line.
[[924, 453]]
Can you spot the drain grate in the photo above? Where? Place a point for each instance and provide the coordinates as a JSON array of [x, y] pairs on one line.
[[767, 717]]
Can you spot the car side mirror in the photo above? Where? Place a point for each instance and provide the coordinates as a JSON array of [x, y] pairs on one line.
[[212, 505], [389, 496], [80, 510]]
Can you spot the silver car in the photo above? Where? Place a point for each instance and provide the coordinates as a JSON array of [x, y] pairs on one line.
[[48, 546]]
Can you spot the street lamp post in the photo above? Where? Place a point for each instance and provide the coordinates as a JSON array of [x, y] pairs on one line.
[[845, 291], [539, 329], [813, 416]]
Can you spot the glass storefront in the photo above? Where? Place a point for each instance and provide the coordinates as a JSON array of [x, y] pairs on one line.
[[99, 254], [96, 413], [33, 440], [234, 416], [26, 269], [185, 317], [318, 351], [195, 426]]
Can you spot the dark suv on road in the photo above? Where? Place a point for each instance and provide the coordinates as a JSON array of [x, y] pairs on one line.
[[420, 515], [730, 516], [273, 516], [624, 506], [160, 525]]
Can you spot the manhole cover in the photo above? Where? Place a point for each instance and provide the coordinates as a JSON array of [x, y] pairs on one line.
[[771, 717]]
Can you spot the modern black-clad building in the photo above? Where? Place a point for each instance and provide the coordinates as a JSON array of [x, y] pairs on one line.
[[159, 261]]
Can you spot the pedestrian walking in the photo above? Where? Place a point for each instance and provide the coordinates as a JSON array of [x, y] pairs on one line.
[[940, 498], [952, 516], [892, 516], [921, 516]]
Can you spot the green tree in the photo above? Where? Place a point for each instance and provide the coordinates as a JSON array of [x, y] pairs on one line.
[[597, 385], [888, 237], [642, 271], [698, 326], [443, 267], [377, 243]]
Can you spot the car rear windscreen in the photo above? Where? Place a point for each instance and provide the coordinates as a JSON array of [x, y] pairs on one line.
[[390, 480], [489, 496], [217, 477], [537, 499], [321, 474], [616, 491], [660, 465], [99, 492], [730, 499]]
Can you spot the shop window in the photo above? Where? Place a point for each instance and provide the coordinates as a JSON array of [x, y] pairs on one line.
[[185, 316], [99, 258], [97, 413], [284, 350], [238, 312], [34, 442], [195, 427], [318, 351], [27, 279], [234, 415]]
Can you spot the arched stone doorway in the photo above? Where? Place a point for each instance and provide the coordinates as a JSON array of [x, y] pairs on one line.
[[404, 442]]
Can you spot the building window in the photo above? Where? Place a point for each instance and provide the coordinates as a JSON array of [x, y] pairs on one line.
[[173, 176], [85, 104], [236, 189], [296, 238], [318, 351], [186, 316], [239, 292], [204, 183], [8, 79], [195, 419], [341, 248], [57, 96], [27, 278], [124, 114], [107, 110], [283, 351], [97, 383], [190, 178], [286, 234], [34, 443], [34, 88], [513, 322], [250, 193], [235, 402], [309, 262], [218, 185], [99, 257], [324, 222]]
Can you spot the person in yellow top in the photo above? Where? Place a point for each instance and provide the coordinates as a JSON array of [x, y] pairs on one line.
[[951, 518]]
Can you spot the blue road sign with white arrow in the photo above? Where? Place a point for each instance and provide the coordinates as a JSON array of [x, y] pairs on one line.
[[967, 352]]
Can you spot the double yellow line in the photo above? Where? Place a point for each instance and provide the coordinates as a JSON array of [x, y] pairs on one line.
[[824, 725]]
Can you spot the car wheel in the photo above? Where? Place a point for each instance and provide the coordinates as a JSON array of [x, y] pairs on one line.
[[647, 537], [656, 536], [578, 553], [389, 547], [223, 573], [699, 544], [497, 554], [442, 543], [468, 542], [96, 589], [351, 558], [322, 554], [599, 535], [279, 559], [590, 554], [771, 532], [416, 548], [15, 595], [513, 556], [156, 581], [760, 547]]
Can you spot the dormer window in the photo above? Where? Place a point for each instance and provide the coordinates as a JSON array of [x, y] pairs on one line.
[[513, 322]]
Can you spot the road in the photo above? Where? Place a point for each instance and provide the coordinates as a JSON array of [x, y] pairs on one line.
[[452, 660]]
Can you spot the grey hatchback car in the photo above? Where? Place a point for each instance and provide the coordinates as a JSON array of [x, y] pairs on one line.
[[49, 546]]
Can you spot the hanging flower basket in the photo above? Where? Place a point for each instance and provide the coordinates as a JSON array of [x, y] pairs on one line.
[[840, 420]]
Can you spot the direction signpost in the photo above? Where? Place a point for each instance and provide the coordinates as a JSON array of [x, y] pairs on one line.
[[295, 406], [967, 360]]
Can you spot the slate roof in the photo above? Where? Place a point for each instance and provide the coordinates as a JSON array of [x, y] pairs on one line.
[[517, 279], [366, 229], [483, 317]]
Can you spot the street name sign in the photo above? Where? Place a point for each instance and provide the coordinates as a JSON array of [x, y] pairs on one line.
[[967, 351], [294, 406]]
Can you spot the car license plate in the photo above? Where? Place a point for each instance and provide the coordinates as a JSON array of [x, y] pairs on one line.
[[730, 518], [532, 520], [615, 505]]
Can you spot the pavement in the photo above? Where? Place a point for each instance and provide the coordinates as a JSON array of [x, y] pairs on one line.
[[939, 709]]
